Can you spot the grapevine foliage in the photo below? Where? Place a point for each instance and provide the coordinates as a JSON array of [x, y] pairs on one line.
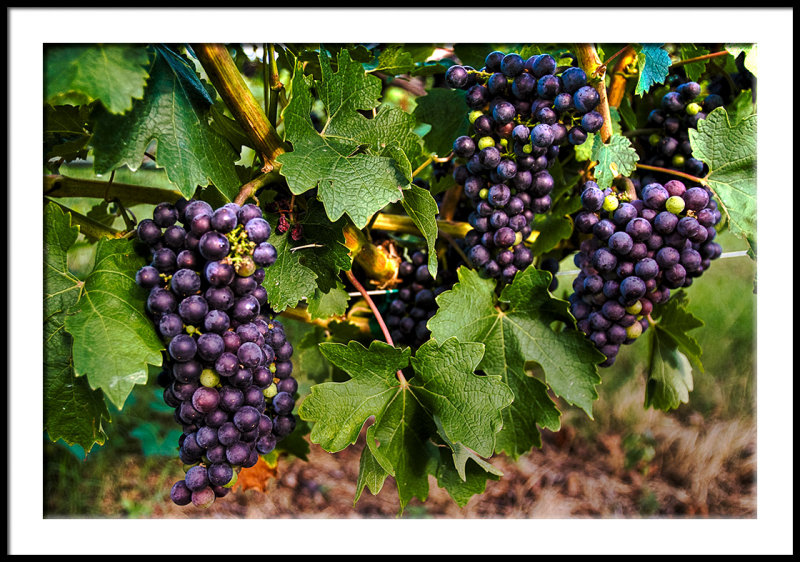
[[423, 210]]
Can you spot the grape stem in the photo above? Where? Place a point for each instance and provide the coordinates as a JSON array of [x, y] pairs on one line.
[[360, 288], [432, 158], [700, 58], [249, 189], [701, 181]]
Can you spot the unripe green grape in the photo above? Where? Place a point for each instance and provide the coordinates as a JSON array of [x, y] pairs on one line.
[[473, 115], [675, 204], [610, 203], [654, 138], [504, 143], [272, 368], [517, 238], [485, 142], [527, 148], [635, 308], [271, 390], [634, 330], [483, 193], [678, 160], [693, 108], [209, 378]]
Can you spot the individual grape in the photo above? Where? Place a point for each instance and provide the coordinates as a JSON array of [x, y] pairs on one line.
[[180, 494], [214, 245], [148, 277]]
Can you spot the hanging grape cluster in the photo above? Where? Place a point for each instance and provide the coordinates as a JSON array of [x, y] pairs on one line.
[[227, 371], [414, 303], [523, 113], [638, 250]]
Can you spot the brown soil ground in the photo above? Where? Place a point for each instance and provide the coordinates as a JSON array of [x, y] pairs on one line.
[[696, 471]]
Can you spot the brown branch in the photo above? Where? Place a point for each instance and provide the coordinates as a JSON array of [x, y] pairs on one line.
[[228, 81], [452, 196], [404, 224], [127, 194], [616, 89]]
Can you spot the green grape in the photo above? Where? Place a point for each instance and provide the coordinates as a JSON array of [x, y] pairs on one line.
[[485, 142], [610, 203], [675, 204]]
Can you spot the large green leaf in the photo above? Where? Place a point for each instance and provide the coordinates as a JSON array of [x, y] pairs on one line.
[[518, 331], [73, 411], [113, 74], [654, 63], [175, 113], [729, 150], [113, 338], [358, 165], [444, 397]]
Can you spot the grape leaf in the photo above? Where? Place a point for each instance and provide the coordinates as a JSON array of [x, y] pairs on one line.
[[654, 63], [73, 411], [113, 338], [750, 55], [393, 60], [61, 288], [694, 70], [463, 482], [672, 353], [444, 387], [332, 303], [370, 475], [175, 113], [729, 150], [287, 281], [618, 157], [340, 161], [113, 74], [448, 114], [552, 229], [516, 329], [584, 151], [420, 205], [467, 406], [328, 254]]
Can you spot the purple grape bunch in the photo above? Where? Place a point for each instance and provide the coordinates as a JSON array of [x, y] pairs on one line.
[[637, 251], [227, 368], [523, 112], [408, 312], [666, 142]]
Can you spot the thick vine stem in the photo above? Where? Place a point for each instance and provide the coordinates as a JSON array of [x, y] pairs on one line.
[[226, 78], [619, 78], [590, 62], [127, 194], [249, 189]]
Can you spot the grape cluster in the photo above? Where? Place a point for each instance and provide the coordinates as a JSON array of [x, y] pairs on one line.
[[227, 370], [522, 113], [637, 252], [408, 313], [679, 110]]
